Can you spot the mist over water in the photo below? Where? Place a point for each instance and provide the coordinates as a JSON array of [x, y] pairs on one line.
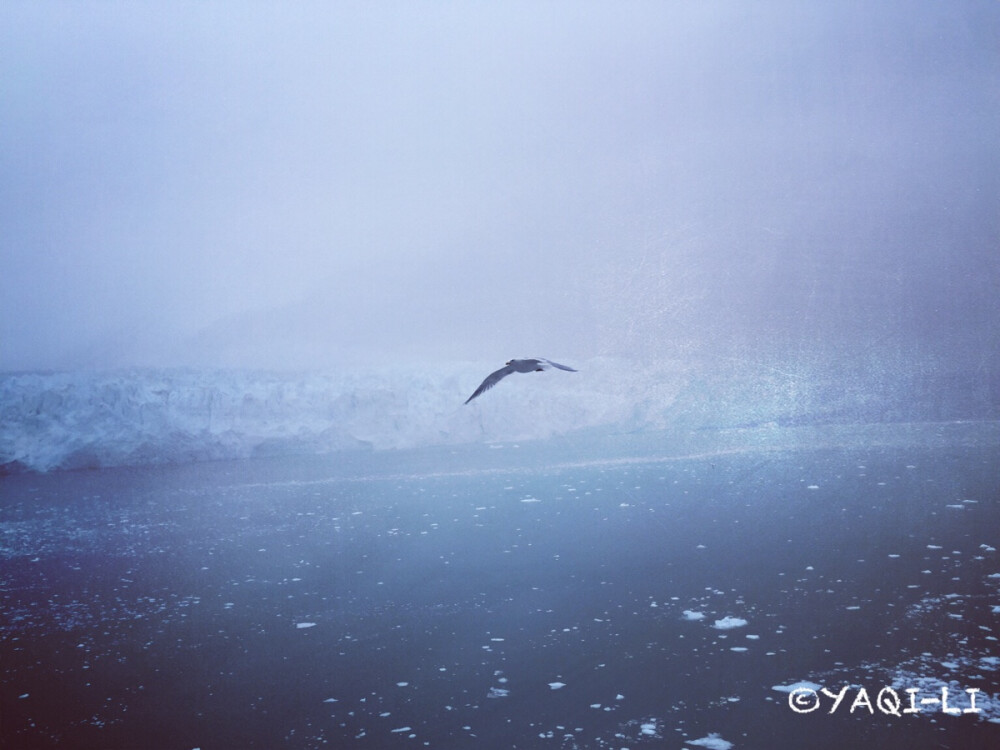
[[324, 187]]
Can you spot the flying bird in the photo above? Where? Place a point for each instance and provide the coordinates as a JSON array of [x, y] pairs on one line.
[[517, 365]]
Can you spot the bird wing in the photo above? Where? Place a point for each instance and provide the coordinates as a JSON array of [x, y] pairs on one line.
[[491, 380], [556, 364]]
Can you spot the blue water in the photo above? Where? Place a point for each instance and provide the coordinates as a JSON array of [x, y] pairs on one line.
[[430, 598]]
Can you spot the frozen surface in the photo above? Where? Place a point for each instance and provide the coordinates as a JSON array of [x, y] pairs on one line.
[[410, 599]]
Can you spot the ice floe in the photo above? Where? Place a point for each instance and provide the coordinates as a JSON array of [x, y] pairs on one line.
[[713, 742], [729, 622]]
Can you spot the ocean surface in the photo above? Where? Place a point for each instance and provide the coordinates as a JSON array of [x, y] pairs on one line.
[[594, 591]]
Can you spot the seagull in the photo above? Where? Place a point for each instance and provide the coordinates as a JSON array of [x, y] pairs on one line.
[[517, 365]]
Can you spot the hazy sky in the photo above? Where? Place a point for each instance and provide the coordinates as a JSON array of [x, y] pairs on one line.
[[316, 184]]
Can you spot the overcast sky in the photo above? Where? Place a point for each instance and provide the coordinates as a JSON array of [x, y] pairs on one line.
[[323, 184]]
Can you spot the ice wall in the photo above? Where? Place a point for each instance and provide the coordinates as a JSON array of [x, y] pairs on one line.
[[78, 420], [99, 419]]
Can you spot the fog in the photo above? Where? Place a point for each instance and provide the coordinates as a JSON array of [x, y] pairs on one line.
[[276, 185]]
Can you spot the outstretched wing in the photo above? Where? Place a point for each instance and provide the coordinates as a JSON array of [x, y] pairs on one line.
[[491, 380], [561, 367]]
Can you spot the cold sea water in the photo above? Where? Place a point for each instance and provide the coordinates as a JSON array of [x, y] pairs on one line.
[[587, 592]]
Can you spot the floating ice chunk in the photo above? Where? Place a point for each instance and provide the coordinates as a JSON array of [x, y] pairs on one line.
[[803, 685], [301, 625], [530, 499], [557, 685], [728, 623], [648, 729], [739, 649], [330, 700], [810, 487], [690, 614], [496, 692], [712, 742], [402, 684], [402, 729]]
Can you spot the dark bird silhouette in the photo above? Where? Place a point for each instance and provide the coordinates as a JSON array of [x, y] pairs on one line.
[[516, 365]]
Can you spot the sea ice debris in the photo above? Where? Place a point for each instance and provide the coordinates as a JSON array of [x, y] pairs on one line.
[[728, 623]]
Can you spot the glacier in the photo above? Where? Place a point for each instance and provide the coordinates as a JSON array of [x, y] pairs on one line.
[[95, 419], [75, 420]]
